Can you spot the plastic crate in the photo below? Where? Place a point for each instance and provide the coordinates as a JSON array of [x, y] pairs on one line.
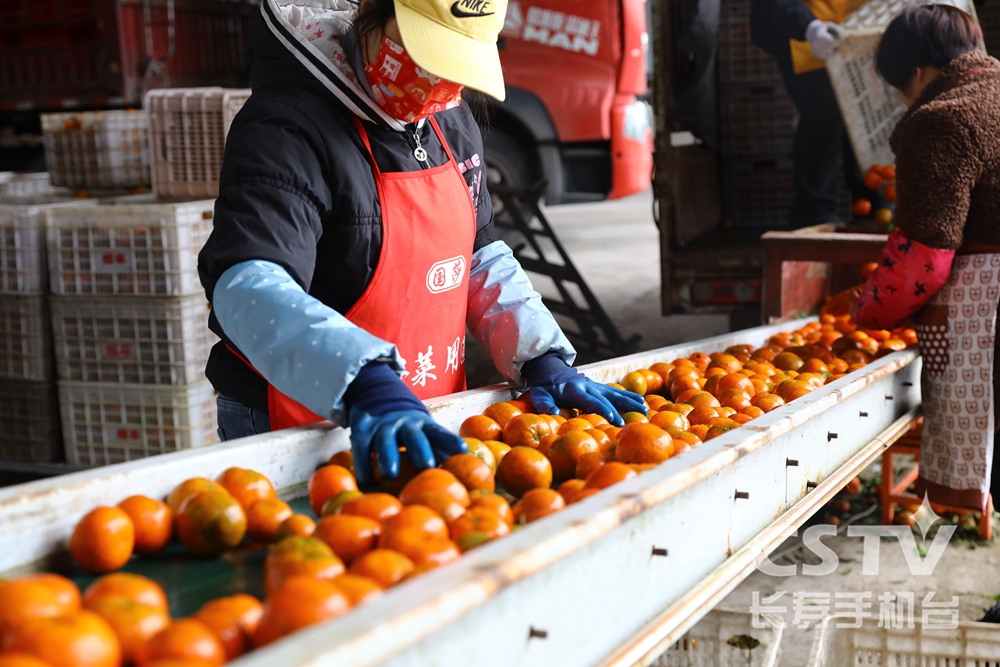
[[162, 340], [870, 106], [25, 337], [12, 183], [23, 257], [758, 190], [136, 245], [740, 61], [707, 643], [967, 645], [757, 119], [97, 149], [188, 130], [29, 420], [105, 424]]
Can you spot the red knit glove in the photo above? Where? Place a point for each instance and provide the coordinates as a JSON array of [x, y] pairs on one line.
[[908, 275]]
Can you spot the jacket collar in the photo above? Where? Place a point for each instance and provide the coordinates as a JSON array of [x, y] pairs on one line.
[[952, 74], [312, 31]]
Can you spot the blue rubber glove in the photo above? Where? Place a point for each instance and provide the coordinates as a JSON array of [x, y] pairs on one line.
[[384, 415], [569, 388]]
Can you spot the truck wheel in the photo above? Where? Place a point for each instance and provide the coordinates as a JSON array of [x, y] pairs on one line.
[[507, 161]]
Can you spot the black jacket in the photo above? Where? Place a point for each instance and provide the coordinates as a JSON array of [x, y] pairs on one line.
[[774, 22], [297, 187]]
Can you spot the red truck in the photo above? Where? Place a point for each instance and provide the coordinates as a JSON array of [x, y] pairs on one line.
[[574, 114], [575, 69]]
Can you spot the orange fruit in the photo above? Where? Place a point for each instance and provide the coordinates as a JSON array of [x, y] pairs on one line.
[[736, 381], [470, 471], [583, 495], [670, 418], [246, 486], [786, 361], [24, 599], [387, 568], [575, 424], [753, 412], [344, 459], [655, 402], [588, 463], [333, 505], [153, 522], [727, 362], [496, 503], [735, 399], [210, 523], [537, 503], [702, 415], [720, 428], [602, 439], [358, 589], [133, 623], [699, 431], [862, 207], [300, 525], [634, 418], [526, 430], [688, 370], [103, 540], [524, 469], [663, 370], [635, 382], [502, 413], [683, 384], [608, 474], [264, 517], [20, 659], [767, 402], [299, 603], [77, 639], [480, 427], [567, 450], [326, 483], [378, 506], [418, 517], [190, 487], [184, 639], [442, 503], [479, 449], [134, 587], [234, 620], [654, 382], [644, 443], [426, 550], [569, 489], [349, 537], [300, 556], [67, 594], [498, 449], [479, 519], [435, 480], [407, 471]]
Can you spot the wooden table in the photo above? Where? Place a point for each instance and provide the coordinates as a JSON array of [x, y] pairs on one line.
[[799, 268]]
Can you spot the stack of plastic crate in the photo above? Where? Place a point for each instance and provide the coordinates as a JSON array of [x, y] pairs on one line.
[[97, 149], [130, 326], [32, 183], [757, 126], [29, 408]]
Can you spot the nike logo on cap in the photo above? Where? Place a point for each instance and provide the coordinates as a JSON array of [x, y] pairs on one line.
[[477, 8]]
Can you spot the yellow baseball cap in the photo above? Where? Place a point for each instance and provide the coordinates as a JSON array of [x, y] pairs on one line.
[[456, 40]]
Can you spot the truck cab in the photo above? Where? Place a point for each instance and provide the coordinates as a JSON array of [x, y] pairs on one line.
[[575, 114]]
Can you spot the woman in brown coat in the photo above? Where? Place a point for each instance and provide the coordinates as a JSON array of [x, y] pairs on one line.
[[942, 265]]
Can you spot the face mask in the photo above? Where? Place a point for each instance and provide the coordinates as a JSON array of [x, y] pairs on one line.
[[405, 91]]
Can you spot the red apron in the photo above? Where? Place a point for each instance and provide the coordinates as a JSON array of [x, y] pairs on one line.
[[419, 294]]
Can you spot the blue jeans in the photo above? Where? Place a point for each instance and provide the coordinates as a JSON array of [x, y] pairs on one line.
[[238, 421]]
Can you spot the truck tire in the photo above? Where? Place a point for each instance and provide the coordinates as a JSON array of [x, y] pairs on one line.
[[507, 160]]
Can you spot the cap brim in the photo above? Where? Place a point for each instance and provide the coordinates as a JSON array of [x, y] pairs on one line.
[[451, 55]]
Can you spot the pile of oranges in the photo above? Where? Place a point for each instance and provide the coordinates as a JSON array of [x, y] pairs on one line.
[[879, 177], [520, 468]]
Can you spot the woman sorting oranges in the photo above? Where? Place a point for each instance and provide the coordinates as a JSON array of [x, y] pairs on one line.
[[354, 241], [942, 265]]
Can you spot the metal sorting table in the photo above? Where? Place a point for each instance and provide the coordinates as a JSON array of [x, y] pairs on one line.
[[612, 580]]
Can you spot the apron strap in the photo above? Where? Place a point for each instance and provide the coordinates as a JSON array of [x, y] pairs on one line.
[[364, 139], [440, 136]]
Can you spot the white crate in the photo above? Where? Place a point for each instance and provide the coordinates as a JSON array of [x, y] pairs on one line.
[[870, 106], [136, 245], [29, 421], [104, 424], [965, 646], [25, 337], [23, 258], [141, 340], [97, 149], [188, 128], [706, 644], [18, 184]]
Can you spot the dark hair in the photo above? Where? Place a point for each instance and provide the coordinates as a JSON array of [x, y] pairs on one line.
[[924, 36], [373, 14]]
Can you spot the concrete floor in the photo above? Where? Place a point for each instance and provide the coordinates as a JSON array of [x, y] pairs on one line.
[[615, 245]]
